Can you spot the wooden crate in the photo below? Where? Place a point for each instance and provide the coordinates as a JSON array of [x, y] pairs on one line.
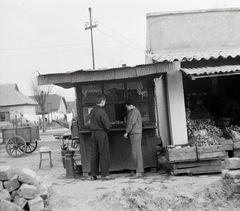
[[227, 144], [196, 167], [236, 153], [210, 152], [236, 145], [181, 154]]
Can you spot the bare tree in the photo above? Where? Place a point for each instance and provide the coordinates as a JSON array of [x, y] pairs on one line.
[[40, 94]]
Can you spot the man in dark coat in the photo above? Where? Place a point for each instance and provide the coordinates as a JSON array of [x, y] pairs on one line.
[[99, 125]]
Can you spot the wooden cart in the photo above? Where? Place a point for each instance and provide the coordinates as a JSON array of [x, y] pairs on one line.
[[20, 140]]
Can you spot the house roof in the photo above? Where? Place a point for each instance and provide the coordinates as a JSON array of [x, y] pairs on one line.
[[10, 96], [195, 54], [52, 103], [66, 80], [203, 72]]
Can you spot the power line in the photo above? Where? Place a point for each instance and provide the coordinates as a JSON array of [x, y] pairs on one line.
[[119, 41], [120, 35]]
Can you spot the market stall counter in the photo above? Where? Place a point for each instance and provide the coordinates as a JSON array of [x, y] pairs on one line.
[[120, 149]]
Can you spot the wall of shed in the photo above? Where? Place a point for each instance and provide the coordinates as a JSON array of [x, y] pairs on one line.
[[178, 30]]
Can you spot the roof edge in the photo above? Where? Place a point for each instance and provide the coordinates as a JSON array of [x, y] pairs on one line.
[[180, 12]]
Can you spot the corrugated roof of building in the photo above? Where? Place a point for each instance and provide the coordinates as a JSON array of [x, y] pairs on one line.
[[10, 96], [202, 72], [195, 54], [67, 79]]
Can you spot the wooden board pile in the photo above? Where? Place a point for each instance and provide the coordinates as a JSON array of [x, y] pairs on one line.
[[20, 190]]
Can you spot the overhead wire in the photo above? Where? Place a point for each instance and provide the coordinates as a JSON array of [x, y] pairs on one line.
[[119, 41], [120, 34]]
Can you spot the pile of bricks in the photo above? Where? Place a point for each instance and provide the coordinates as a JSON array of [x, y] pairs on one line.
[[231, 175], [20, 190]]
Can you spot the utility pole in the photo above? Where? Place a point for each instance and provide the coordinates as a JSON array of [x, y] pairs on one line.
[[91, 27]]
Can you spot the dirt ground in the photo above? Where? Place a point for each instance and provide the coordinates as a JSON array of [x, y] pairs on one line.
[[156, 191]]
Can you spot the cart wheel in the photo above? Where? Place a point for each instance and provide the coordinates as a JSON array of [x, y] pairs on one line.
[[16, 146], [31, 146]]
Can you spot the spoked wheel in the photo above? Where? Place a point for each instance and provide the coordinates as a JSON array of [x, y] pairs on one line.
[[31, 146], [16, 146]]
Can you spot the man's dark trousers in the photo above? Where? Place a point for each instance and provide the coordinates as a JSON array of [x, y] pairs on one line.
[[100, 153]]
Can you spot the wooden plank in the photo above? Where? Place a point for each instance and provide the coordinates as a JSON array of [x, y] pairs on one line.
[[198, 170], [210, 152], [181, 154], [197, 164]]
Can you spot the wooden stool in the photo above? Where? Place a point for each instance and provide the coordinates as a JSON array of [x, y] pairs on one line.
[[49, 152]]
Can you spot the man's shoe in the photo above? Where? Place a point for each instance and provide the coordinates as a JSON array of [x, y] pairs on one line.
[[137, 176], [107, 178], [92, 178]]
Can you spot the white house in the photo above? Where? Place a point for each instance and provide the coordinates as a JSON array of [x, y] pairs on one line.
[[14, 105]]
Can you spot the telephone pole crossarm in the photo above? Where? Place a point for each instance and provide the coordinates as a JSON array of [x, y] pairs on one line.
[[91, 27]]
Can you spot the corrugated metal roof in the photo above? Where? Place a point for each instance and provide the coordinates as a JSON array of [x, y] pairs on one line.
[[202, 72], [195, 54], [66, 80]]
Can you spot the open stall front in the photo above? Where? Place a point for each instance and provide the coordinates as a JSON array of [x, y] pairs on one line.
[[213, 110], [118, 85]]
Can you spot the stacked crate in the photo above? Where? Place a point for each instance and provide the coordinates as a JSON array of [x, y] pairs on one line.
[[195, 160], [236, 148]]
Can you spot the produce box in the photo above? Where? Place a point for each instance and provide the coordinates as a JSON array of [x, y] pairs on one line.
[[210, 152], [236, 145], [196, 167], [180, 154], [236, 153], [226, 143]]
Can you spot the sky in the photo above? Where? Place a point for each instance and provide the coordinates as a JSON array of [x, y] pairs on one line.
[[49, 36]]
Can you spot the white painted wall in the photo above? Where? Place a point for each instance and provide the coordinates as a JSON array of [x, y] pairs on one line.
[[176, 108], [193, 29]]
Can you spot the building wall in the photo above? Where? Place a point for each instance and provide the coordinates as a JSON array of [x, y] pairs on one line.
[[18, 110], [196, 29]]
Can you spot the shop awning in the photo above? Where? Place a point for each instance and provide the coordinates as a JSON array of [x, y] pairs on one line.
[[203, 72], [68, 79], [198, 54]]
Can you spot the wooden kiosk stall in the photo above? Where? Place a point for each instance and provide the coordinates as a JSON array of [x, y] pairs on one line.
[[117, 85]]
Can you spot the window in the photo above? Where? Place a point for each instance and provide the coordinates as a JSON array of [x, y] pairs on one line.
[[4, 116], [116, 94]]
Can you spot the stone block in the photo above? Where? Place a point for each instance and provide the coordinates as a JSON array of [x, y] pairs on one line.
[[43, 191], [36, 204], [21, 202], [4, 194], [27, 191], [235, 187], [234, 174], [14, 194], [27, 176], [12, 184], [232, 163], [224, 172], [236, 180], [6, 172], [8, 206]]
